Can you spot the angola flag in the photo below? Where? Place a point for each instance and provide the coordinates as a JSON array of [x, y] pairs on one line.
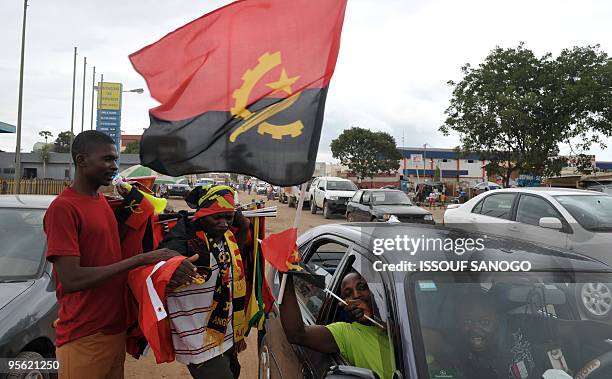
[[242, 89]]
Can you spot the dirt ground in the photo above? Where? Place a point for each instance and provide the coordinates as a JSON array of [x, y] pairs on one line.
[[146, 367]]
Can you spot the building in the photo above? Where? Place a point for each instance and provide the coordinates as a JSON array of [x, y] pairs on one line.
[[420, 164], [7, 128], [126, 139], [57, 167]]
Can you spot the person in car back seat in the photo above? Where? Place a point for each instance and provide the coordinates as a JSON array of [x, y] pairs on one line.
[[360, 343]]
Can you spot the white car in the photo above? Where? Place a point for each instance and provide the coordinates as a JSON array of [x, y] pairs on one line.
[[331, 194], [572, 219]]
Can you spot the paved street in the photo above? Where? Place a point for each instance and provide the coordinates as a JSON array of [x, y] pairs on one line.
[[147, 368]]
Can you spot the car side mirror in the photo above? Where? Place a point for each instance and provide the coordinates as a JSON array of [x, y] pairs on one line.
[[551, 223], [322, 188], [350, 372]]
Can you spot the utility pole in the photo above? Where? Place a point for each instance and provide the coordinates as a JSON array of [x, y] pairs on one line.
[[20, 104], [83, 102], [72, 114], [424, 159], [93, 91]]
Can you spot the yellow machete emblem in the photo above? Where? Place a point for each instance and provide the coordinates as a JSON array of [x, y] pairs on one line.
[[241, 96]]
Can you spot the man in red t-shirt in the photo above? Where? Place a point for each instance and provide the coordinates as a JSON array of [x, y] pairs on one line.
[[84, 245]]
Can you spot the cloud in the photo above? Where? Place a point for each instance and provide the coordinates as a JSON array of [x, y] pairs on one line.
[[395, 58]]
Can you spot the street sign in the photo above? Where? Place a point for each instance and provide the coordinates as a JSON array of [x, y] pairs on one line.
[[108, 117]]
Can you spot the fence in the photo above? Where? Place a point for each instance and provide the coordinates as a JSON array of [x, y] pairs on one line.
[[34, 186]]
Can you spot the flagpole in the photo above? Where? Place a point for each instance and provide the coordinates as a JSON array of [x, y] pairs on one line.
[[296, 223]]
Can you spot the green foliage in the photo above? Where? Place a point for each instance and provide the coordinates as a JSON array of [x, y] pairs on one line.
[[45, 134], [132, 148], [515, 109], [63, 141], [366, 153]]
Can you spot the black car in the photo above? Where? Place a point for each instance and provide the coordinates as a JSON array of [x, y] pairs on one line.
[[381, 204], [427, 315], [28, 305]]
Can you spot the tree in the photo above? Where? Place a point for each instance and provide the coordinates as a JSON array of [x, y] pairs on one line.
[[366, 153], [45, 134], [516, 109], [63, 141], [132, 148]]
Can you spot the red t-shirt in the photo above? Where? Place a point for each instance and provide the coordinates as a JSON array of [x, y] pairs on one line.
[[85, 226]]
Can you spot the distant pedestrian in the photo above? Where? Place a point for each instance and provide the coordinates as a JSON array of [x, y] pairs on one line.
[[4, 187]]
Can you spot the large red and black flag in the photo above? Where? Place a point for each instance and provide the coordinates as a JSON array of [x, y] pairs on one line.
[[242, 89]]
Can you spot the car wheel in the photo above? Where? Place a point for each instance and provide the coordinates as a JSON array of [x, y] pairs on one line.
[[264, 362], [326, 211], [595, 299], [28, 374], [313, 206]]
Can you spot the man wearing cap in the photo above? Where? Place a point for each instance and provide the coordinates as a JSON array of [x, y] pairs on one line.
[[208, 318]]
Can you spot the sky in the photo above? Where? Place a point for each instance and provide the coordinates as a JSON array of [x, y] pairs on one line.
[[395, 59]]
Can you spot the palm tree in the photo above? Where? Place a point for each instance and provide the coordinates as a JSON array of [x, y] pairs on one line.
[[44, 152]]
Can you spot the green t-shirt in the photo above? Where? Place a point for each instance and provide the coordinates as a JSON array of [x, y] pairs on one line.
[[363, 346]]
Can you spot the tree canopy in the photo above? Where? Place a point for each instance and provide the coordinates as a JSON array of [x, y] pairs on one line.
[[365, 152], [62, 142], [516, 109]]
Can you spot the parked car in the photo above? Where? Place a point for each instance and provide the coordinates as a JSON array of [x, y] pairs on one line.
[[572, 219], [381, 204], [416, 305], [28, 305], [605, 188], [205, 181], [291, 195], [180, 188], [261, 188], [330, 194]]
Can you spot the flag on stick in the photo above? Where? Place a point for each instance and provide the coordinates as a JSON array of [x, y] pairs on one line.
[[242, 89]]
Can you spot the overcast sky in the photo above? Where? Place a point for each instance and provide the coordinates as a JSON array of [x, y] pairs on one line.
[[395, 57]]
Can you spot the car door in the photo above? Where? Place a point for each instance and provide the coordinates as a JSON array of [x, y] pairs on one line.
[[365, 206], [492, 213], [322, 257], [352, 208], [320, 193], [529, 210]]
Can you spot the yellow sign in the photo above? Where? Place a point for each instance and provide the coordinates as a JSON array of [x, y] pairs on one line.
[[109, 96], [266, 63]]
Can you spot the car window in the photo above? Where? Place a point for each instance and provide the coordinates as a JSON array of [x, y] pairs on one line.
[[341, 185], [531, 208], [320, 268], [356, 196], [366, 199], [499, 205], [475, 326], [370, 289], [390, 198], [593, 213], [23, 243], [478, 207]]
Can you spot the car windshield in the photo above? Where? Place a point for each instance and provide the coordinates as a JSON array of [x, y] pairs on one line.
[[390, 198], [594, 213], [23, 243], [510, 324], [341, 185]]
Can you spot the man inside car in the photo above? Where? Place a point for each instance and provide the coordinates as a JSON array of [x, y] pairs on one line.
[[360, 343], [488, 341]]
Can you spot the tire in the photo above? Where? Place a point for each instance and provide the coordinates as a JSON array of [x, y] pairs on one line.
[[291, 202], [27, 374], [313, 206], [326, 211], [263, 371], [595, 300]]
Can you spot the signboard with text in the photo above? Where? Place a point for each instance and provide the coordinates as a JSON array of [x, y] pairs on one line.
[[108, 118]]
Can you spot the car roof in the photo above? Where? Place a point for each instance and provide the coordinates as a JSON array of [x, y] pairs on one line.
[[553, 191], [380, 190], [496, 248], [333, 178], [26, 201]]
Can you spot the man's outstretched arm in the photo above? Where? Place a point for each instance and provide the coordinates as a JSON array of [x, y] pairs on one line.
[[316, 337]]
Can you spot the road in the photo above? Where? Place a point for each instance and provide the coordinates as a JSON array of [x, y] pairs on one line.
[[146, 366]]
